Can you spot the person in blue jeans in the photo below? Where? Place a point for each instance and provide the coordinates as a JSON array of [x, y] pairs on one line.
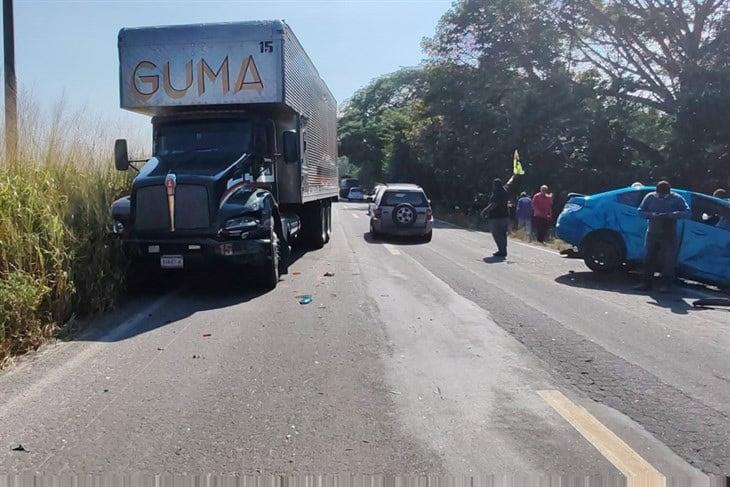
[[524, 214], [662, 208]]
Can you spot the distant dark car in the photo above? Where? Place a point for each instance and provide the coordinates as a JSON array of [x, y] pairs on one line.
[[609, 231], [401, 210], [346, 184], [355, 194]]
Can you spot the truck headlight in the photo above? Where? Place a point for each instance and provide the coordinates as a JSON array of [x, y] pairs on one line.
[[240, 224]]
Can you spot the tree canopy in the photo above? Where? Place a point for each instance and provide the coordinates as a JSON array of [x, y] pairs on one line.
[[595, 94]]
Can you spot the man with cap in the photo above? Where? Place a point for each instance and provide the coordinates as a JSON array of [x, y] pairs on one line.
[[498, 214], [662, 208]]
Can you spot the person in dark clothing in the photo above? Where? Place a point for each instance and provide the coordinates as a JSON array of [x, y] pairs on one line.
[[498, 214], [662, 208]]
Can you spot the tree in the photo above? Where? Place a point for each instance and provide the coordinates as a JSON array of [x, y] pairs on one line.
[[671, 57], [365, 126]]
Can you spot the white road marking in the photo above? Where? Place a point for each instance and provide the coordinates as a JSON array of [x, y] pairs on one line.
[[536, 247], [127, 326], [638, 471], [696, 292], [84, 355], [512, 240], [392, 249]]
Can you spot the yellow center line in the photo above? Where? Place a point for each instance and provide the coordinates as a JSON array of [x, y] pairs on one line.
[[638, 472], [392, 249]]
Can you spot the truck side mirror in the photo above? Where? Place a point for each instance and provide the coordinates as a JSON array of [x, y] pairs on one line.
[[121, 157], [291, 146]]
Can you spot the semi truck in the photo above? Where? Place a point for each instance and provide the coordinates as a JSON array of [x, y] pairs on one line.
[[244, 153]]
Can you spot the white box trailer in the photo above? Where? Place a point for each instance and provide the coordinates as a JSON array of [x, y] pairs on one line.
[[168, 70], [232, 104]]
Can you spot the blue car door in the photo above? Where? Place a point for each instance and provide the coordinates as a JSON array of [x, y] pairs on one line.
[[705, 250], [630, 223]]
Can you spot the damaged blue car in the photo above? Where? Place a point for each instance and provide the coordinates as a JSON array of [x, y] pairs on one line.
[[609, 232]]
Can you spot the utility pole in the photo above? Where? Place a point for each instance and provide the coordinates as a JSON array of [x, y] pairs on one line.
[[11, 91]]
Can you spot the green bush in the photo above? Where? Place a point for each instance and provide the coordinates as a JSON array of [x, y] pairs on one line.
[[22, 321], [57, 257]]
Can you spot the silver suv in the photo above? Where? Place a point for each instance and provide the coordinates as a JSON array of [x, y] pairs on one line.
[[403, 210]]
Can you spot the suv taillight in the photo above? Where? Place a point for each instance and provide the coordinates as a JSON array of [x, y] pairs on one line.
[[429, 214], [378, 212]]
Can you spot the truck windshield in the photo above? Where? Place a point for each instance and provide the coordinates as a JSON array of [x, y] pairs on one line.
[[209, 144]]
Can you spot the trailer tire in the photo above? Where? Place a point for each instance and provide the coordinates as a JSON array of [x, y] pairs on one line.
[[328, 215], [317, 223]]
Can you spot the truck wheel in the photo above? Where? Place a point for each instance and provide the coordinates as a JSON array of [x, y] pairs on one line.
[[271, 268], [328, 215], [603, 254], [317, 226]]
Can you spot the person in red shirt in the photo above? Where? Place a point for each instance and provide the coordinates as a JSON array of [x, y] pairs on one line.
[[542, 211]]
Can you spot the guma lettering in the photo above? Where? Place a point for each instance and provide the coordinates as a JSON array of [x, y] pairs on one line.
[[147, 78]]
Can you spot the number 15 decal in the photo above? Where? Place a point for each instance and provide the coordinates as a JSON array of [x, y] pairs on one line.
[[266, 46]]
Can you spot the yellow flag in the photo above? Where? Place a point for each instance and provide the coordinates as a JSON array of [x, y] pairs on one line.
[[516, 165]]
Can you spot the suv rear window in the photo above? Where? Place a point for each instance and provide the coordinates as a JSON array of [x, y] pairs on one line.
[[415, 198]]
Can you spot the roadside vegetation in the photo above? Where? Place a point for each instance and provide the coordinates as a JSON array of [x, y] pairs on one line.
[[57, 259], [594, 94]]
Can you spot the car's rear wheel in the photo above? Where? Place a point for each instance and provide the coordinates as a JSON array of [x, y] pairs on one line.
[[374, 233], [602, 253]]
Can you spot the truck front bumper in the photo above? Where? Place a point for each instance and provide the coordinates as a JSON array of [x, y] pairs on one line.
[[199, 251]]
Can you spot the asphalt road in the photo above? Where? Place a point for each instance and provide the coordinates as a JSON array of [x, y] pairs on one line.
[[411, 359]]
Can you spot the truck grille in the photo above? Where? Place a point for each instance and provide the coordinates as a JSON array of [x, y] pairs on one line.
[[191, 208]]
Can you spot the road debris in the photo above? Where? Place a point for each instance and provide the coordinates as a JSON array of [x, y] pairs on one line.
[[19, 448], [106, 390], [207, 335], [159, 349], [329, 274], [306, 299], [296, 273], [397, 393]]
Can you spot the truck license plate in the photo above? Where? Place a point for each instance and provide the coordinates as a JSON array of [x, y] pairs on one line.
[[171, 261]]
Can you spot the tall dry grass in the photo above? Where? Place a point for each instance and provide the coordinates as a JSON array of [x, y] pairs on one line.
[[57, 257]]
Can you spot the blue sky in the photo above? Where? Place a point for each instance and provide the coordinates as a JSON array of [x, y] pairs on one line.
[[68, 48]]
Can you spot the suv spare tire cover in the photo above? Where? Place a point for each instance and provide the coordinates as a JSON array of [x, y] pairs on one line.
[[404, 214]]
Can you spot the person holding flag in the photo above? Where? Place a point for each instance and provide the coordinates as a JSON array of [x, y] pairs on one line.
[[497, 211], [517, 165]]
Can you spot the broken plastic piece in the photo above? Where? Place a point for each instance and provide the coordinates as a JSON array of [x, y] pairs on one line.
[[19, 448], [306, 299], [329, 274]]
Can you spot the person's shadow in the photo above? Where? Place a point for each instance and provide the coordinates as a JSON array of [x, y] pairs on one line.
[[674, 300], [494, 259], [671, 301]]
